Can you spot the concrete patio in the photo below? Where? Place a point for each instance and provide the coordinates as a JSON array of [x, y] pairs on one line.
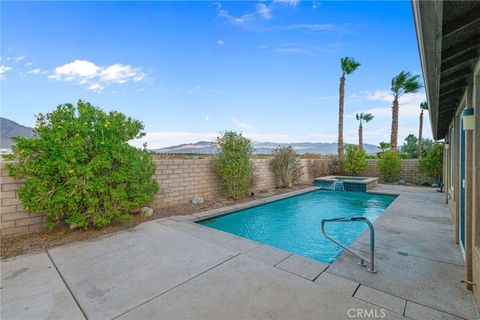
[[176, 269]]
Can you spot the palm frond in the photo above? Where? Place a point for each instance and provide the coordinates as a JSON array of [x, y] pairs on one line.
[[349, 64], [412, 84], [367, 117], [359, 116], [424, 105], [405, 82]]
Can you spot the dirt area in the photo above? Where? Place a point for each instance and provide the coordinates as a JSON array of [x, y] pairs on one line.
[[14, 245]]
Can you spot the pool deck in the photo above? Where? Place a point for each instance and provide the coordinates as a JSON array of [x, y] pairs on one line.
[[176, 269]]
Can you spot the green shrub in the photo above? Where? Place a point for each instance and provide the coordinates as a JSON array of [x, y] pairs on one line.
[[355, 161], [286, 165], [233, 164], [80, 169], [432, 163], [390, 166]]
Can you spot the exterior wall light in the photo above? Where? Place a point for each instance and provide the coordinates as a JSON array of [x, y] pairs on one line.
[[468, 119], [447, 146]]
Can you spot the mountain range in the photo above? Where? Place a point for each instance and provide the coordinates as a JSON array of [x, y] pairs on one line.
[[206, 147], [9, 129]]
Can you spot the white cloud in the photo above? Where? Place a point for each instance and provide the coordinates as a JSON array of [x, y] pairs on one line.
[[379, 128], [96, 77], [207, 117], [119, 73], [139, 90], [311, 27], [287, 2], [78, 70], [4, 69], [28, 64], [232, 19], [409, 103], [309, 48], [220, 42], [20, 58], [97, 87], [264, 11], [242, 125], [197, 88], [37, 71]]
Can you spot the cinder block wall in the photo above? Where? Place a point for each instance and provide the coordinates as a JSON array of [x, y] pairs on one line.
[[179, 179], [410, 172], [14, 219]]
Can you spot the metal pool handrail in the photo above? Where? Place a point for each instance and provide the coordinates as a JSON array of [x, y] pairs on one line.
[[363, 261]]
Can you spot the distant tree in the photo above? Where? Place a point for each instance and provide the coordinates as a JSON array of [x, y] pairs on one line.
[[384, 146], [409, 147], [367, 117], [423, 107], [427, 144], [348, 65], [402, 83]]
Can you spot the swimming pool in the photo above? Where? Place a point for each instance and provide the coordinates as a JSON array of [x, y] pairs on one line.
[[293, 224]]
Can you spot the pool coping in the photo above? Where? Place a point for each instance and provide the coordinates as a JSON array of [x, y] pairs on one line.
[[365, 180], [204, 215], [351, 183], [199, 216]]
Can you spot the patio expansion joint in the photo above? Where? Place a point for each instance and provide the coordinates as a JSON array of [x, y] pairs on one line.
[[320, 273], [413, 255], [406, 303], [378, 305], [433, 308], [66, 285], [291, 254], [174, 287], [356, 289]]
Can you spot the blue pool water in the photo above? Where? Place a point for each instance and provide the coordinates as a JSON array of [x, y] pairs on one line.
[[293, 224]]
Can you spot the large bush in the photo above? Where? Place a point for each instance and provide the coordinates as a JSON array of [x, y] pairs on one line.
[[319, 167], [355, 161], [286, 165], [233, 164], [390, 166], [432, 164], [79, 167]]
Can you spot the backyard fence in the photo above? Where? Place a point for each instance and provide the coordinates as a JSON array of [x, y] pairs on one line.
[[180, 180]]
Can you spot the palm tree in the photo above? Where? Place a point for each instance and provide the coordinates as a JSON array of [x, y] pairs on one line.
[[402, 83], [348, 65], [423, 107], [362, 117], [384, 146]]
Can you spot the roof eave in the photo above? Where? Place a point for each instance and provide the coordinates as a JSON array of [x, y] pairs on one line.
[[429, 39]]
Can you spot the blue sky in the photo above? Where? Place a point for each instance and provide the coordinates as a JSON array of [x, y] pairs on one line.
[[189, 70]]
